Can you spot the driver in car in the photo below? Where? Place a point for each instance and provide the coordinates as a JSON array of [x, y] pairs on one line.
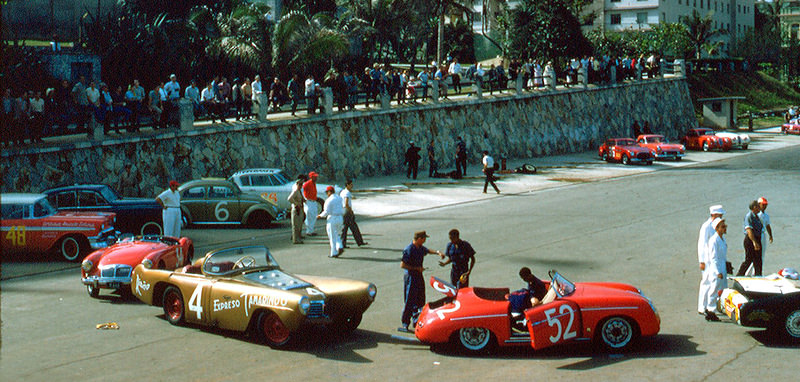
[[525, 298]]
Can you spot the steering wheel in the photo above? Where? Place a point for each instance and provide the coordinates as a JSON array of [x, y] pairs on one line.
[[244, 262]]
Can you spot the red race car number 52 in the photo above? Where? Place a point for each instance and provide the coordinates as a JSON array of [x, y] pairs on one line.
[[552, 319]]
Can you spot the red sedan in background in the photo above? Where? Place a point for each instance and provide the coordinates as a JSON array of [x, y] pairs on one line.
[[704, 139], [625, 150], [612, 315], [110, 268], [661, 146]]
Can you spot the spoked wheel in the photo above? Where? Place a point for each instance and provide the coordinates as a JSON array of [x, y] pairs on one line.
[[475, 339], [617, 333], [271, 330], [173, 305]]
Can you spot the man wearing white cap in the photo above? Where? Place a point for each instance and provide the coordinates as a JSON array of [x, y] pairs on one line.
[[706, 231], [762, 202], [716, 270]]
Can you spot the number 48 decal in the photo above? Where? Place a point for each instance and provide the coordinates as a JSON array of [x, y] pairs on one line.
[[554, 321]]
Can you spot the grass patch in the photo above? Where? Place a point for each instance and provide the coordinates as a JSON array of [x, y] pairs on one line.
[[762, 92]]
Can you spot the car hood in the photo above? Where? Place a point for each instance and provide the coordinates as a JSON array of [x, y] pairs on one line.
[[772, 284], [129, 253], [277, 279]]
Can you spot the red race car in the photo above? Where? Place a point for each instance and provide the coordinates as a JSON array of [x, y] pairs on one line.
[[661, 146], [31, 225], [790, 128], [626, 151], [612, 315], [704, 139], [110, 268]]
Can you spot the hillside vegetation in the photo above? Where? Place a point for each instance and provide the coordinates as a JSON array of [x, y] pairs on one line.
[[763, 92]]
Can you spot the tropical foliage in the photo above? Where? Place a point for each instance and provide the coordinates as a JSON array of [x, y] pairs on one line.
[[545, 29]]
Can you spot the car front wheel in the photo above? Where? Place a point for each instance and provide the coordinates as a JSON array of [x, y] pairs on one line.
[[93, 291], [791, 325], [70, 248], [605, 157], [173, 305], [271, 330], [475, 339], [617, 333], [705, 146], [625, 159], [348, 324]]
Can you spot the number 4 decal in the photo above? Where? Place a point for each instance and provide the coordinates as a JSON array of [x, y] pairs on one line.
[[195, 302], [554, 321]]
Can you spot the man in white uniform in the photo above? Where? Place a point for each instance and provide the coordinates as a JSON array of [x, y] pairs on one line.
[[716, 271], [333, 210], [170, 201], [706, 231]]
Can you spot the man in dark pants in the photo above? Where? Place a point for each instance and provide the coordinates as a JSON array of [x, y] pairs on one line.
[[349, 216], [461, 254], [412, 160], [461, 156], [413, 284], [432, 165], [752, 240], [488, 170]]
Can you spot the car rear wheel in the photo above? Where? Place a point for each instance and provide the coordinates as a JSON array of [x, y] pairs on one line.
[[259, 219], [271, 330], [70, 248], [625, 159], [617, 333], [475, 339], [151, 228], [173, 305], [93, 291]]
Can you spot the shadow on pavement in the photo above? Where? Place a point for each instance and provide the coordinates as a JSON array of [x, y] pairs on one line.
[[773, 340]]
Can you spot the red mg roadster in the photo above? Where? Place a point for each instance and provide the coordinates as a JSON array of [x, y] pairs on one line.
[[612, 315]]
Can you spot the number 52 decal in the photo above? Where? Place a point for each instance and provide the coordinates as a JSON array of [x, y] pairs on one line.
[[554, 320]]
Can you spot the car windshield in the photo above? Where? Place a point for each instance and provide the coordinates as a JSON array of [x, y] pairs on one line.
[[657, 139], [237, 260], [109, 194], [282, 177], [42, 208], [564, 287], [626, 142]]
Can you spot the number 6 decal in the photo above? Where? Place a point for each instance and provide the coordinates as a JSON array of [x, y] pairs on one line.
[[551, 320]]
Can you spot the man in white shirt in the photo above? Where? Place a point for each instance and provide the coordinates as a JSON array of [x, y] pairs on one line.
[[455, 74], [333, 210], [706, 231], [170, 201], [716, 271], [349, 216], [488, 170]]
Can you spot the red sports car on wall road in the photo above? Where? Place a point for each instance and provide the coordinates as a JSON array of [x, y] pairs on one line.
[[110, 268], [626, 151], [30, 225], [790, 128], [661, 146], [704, 139], [612, 315]]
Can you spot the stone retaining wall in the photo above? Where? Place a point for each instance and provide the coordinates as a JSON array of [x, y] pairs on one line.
[[364, 143]]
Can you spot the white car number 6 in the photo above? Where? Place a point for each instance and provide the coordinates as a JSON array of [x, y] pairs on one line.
[[554, 321], [220, 212]]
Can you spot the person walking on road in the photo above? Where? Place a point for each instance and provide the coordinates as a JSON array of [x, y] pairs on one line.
[[462, 256], [412, 160], [716, 270], [413, 284], [298, 215], [706, 231], [311, 206], [349, 216], [333, 211], [488, 170], [752, 240], [170, 201]]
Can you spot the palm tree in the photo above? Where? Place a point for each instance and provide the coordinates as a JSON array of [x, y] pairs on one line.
[[700, 32], [307, 45]]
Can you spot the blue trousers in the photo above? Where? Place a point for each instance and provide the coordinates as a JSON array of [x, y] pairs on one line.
[[413, 293]]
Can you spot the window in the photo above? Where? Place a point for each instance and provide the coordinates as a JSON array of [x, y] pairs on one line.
[[87, 199], [221, 192], [42, 208], [715, 6], [694, 2], [12, 211], [259, 180], [616, 19], [701, 3], [641, 18], [65, 199], [194, 193], [716, 107]]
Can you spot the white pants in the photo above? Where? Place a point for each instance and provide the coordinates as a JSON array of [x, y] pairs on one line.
[[171, 217], [334, 229], [312, 210], [702, 296], [715, 285]]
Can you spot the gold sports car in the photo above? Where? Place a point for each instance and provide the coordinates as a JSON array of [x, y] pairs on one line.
[[244, 289]]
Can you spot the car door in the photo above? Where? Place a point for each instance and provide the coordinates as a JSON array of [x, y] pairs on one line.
[[227, 306], [196, 293], [224, 205], [553, 323], [194, 200]]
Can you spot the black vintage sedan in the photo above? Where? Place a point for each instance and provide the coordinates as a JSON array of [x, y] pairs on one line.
[[139, 216]]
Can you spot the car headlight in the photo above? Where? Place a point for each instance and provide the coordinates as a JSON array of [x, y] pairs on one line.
[[658, 148], [86, 265], [372, 291], [303, 305], [147, 263]]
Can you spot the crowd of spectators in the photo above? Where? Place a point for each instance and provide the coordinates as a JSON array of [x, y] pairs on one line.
[[68, 108]]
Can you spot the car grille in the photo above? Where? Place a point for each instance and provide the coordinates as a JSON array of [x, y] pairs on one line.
[[316, 310], [643, 156], [116, 271]]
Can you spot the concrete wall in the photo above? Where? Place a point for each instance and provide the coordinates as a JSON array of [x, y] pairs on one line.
[[365, 143]]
